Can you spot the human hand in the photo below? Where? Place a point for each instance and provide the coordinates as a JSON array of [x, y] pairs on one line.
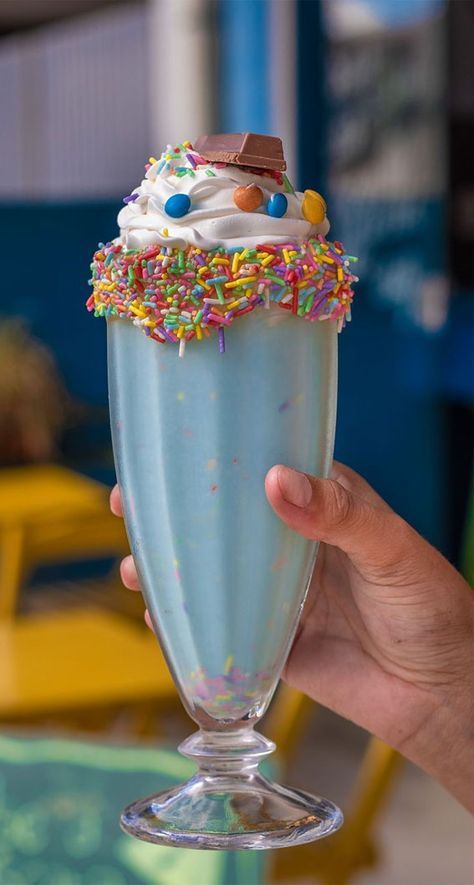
[[386, 633]]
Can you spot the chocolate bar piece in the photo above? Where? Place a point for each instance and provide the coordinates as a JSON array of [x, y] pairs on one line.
[[242, 149]]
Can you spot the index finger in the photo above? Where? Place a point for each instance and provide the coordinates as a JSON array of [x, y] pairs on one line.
[[116, 502]]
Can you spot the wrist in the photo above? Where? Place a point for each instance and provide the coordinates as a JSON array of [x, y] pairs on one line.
[[443, 745]]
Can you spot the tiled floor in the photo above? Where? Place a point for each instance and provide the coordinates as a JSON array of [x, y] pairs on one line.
[[424, 836]]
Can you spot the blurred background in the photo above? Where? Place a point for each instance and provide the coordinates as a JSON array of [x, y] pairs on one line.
[[374, 100]]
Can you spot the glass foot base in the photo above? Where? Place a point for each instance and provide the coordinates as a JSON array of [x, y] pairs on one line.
[[229, 813]]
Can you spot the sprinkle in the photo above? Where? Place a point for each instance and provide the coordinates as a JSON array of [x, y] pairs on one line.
[[219, 280], [240, 282], [219, 291], [235, 262], [294, 303], [221, 340]]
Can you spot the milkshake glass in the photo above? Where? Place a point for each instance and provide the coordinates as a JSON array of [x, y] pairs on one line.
[[224, 579]]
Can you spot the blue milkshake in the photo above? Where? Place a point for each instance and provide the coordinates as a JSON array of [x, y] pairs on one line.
[[193, 439], [223, 302]]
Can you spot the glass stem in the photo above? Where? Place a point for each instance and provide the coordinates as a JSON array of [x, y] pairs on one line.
[[224, 753]]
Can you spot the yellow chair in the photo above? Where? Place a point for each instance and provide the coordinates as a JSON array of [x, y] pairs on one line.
[[50, 514], [80, 659]]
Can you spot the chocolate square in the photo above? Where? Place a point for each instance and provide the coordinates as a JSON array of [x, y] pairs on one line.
[[242, 149]]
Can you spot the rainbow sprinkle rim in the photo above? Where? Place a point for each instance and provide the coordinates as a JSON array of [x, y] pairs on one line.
[[175, 294]]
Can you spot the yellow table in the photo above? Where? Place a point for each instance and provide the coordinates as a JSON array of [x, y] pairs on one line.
[[50, 514]]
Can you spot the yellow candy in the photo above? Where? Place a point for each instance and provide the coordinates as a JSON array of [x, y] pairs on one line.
[[314, 207]]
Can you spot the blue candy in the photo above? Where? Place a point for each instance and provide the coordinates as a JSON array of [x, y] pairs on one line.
[[177, 205], [277, 205]]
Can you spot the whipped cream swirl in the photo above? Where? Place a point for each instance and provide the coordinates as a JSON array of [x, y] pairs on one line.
[[213, 219]]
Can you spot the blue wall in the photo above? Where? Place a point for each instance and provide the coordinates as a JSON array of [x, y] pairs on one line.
[[50, 247]]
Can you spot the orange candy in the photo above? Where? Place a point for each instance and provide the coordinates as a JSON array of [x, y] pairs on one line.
[[248, 197]]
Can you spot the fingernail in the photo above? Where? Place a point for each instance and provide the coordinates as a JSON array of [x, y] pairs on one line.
[[295, 487]]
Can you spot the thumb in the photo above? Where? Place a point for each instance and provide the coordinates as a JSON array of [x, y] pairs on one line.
[[325, 510]]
